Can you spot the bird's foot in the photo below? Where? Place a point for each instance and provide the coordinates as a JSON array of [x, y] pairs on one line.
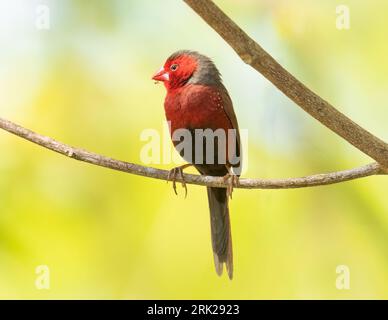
[[232, 181], [173, 174]]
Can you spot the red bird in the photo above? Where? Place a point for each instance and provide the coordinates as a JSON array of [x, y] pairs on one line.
[[197, 99]]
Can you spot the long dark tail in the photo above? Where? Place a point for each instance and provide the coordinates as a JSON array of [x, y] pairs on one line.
[[220, 230]]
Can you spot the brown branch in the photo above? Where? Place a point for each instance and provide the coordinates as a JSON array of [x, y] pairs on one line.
[[102, 161], [254, 55]]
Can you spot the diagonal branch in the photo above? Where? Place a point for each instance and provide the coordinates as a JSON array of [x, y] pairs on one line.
[[254, 55], [102, 161]]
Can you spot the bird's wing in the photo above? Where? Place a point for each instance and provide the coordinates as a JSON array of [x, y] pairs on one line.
[[228, 107], [229, 110], [200, 105]]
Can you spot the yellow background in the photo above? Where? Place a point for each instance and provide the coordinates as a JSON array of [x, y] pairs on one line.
[[105, 234]]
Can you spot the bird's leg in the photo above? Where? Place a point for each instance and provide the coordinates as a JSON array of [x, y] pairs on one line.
[[172, 175], [232, 180]]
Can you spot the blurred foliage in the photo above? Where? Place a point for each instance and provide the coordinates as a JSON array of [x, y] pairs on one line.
[[104, 234]]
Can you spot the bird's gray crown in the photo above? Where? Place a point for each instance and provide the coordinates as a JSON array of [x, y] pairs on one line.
[[206, 72]]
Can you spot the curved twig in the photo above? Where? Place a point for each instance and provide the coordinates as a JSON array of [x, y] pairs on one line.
[[254, 55], [102, 161]]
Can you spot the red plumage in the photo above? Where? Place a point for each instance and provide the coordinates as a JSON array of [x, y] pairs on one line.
[[197, 99]]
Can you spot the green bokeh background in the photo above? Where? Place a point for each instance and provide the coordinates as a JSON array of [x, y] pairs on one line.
[[105, 234]]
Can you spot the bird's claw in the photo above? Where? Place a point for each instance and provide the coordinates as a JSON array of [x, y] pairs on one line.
[[232, 181], [172, 175]]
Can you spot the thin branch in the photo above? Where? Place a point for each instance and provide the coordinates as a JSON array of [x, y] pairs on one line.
[[254, 55], [102, 161]]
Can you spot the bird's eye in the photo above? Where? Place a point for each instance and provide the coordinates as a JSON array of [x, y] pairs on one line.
[[174, 67]]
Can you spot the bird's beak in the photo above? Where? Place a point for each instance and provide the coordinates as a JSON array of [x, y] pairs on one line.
[[161, 75]]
